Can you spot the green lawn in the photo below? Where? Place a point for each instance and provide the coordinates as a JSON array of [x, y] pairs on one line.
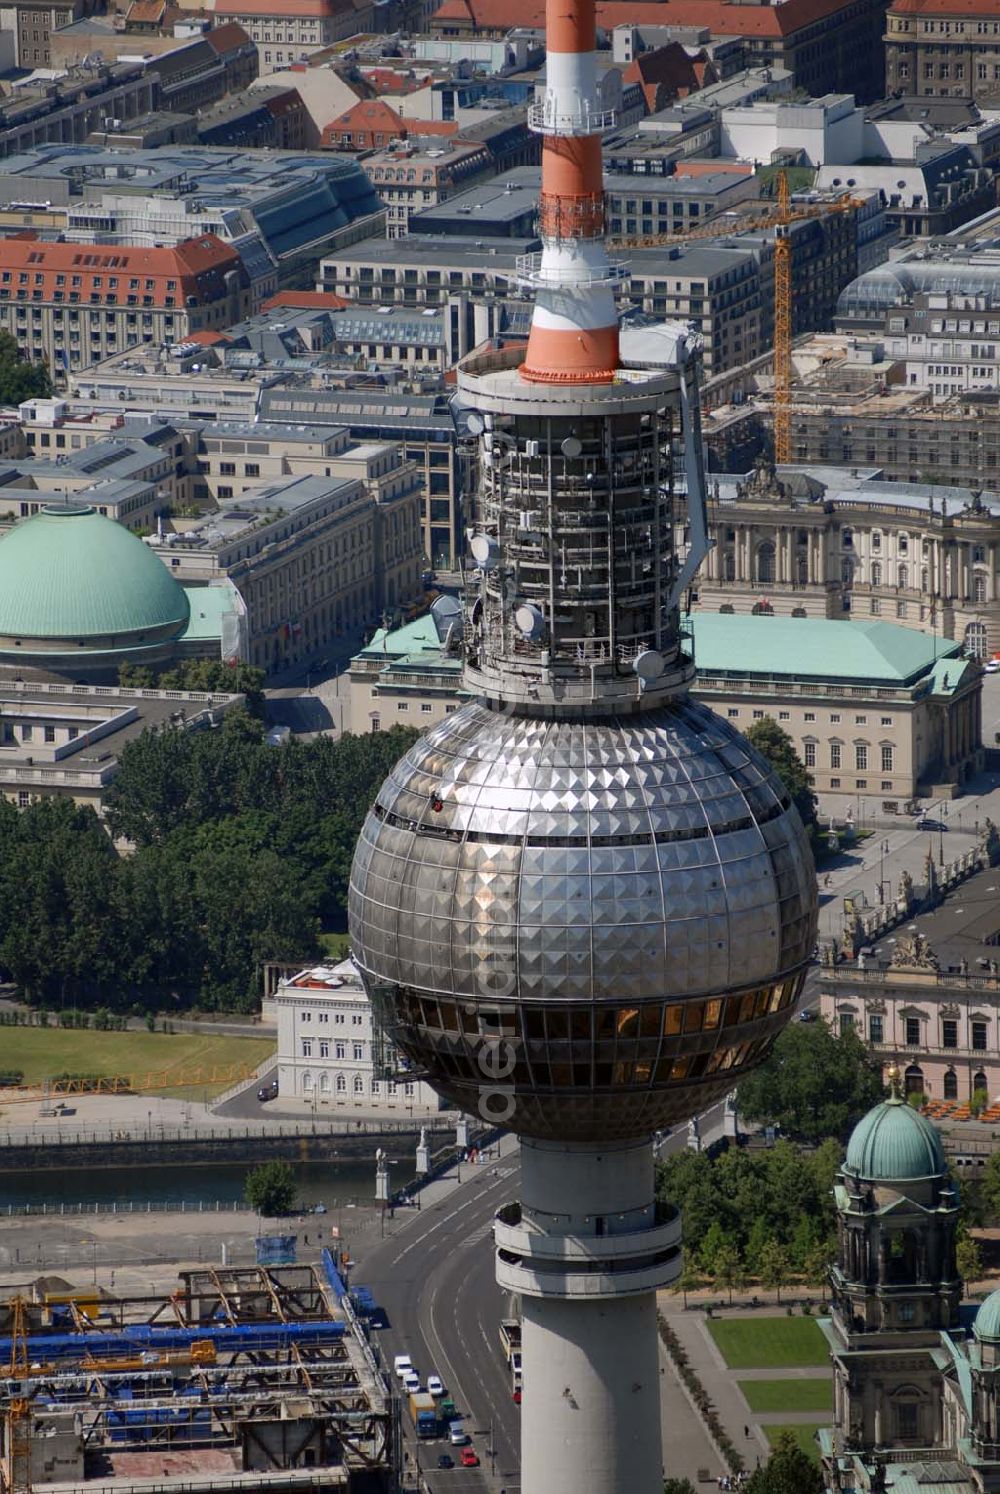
[[147, 1057], [760, 1343], [804, 1434], [788, 1395], [335, 946]]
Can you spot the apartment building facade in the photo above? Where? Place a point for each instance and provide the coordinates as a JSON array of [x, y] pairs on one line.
[[310, 556], [410, 180], [289, 31], [942, 49], [32, 23], [71, 305]]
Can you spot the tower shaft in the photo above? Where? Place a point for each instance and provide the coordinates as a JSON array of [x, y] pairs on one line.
[[586, 1250]]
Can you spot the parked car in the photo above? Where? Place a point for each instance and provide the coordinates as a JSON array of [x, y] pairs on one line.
[[805, 1015], [992, 666]]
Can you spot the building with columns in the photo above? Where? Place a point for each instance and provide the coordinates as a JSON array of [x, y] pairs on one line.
[[931, 1007], [837, 542], [916, 1371]]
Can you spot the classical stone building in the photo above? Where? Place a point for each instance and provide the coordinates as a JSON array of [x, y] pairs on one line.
[[916, 1374], [828, 543], [930, 1009], [877, 713], [326, 1048]]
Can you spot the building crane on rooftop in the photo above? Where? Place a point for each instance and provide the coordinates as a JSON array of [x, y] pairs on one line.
[[780, 218], [15, 1469]]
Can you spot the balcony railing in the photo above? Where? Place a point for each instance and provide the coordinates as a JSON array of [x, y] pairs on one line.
[[893, 975]]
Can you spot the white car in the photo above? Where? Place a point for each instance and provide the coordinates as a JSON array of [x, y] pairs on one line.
[[411, 1382], [992, 666], [435, 1385], [403, 1365]]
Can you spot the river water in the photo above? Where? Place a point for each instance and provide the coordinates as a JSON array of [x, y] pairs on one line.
[[330, 1183]]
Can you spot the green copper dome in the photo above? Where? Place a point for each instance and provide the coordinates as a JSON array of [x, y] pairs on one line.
[[69, 573], [987, 1322], [893, 1143]]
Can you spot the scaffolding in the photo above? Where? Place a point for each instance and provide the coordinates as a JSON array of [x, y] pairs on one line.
[[271, 1366]]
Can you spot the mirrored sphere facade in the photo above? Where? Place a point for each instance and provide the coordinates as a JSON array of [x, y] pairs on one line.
[[603, 921]]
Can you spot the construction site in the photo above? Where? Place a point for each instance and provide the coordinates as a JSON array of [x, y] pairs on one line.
[[254, 1377]]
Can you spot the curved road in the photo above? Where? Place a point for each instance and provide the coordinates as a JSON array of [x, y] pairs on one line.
[[435, 1282], [434, 1278]]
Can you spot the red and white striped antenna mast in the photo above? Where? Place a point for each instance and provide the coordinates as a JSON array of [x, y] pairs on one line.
[[574, 328]]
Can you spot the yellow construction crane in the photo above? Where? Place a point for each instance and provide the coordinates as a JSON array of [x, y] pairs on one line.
[[783, 325], [17, 1464], [780, 219]]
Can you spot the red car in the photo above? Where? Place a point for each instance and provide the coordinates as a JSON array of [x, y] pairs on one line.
[[517, 1397], [470, 1458]]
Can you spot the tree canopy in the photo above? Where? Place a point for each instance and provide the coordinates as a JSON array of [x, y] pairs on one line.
[[214, 675], [242, 853], [788, 1470], [19, 379], [774, 743], [739, 1206], [812, 1085], [270, 1189]]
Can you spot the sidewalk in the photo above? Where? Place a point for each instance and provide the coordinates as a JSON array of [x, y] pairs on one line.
[[718, 1379]]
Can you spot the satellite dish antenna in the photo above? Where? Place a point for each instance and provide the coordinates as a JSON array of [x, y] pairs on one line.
[[447, 615], [649, 665], [529, 621], [572, 447], [474, 423], [485, 552]]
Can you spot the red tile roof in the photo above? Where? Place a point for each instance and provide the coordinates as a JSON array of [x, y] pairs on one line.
[[146, 12], [664, 74], [945, 8], [316, 8], [306, 300], [196, 269], [369, 114], [721, 18], [228, 37]]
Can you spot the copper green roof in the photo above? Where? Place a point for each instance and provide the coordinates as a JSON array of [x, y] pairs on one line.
[[987, 1323], [895, 1143], [69, 572], [828, 649]]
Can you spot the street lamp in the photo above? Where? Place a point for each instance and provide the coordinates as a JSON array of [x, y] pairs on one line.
[[883, 851]]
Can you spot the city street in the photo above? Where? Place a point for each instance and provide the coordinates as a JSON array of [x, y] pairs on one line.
[[893, 848]]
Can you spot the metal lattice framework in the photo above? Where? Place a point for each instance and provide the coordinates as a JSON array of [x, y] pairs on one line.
[[244, 1372]]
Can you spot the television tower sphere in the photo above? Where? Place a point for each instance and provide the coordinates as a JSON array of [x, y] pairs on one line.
[[582, 905], [627, 901]]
